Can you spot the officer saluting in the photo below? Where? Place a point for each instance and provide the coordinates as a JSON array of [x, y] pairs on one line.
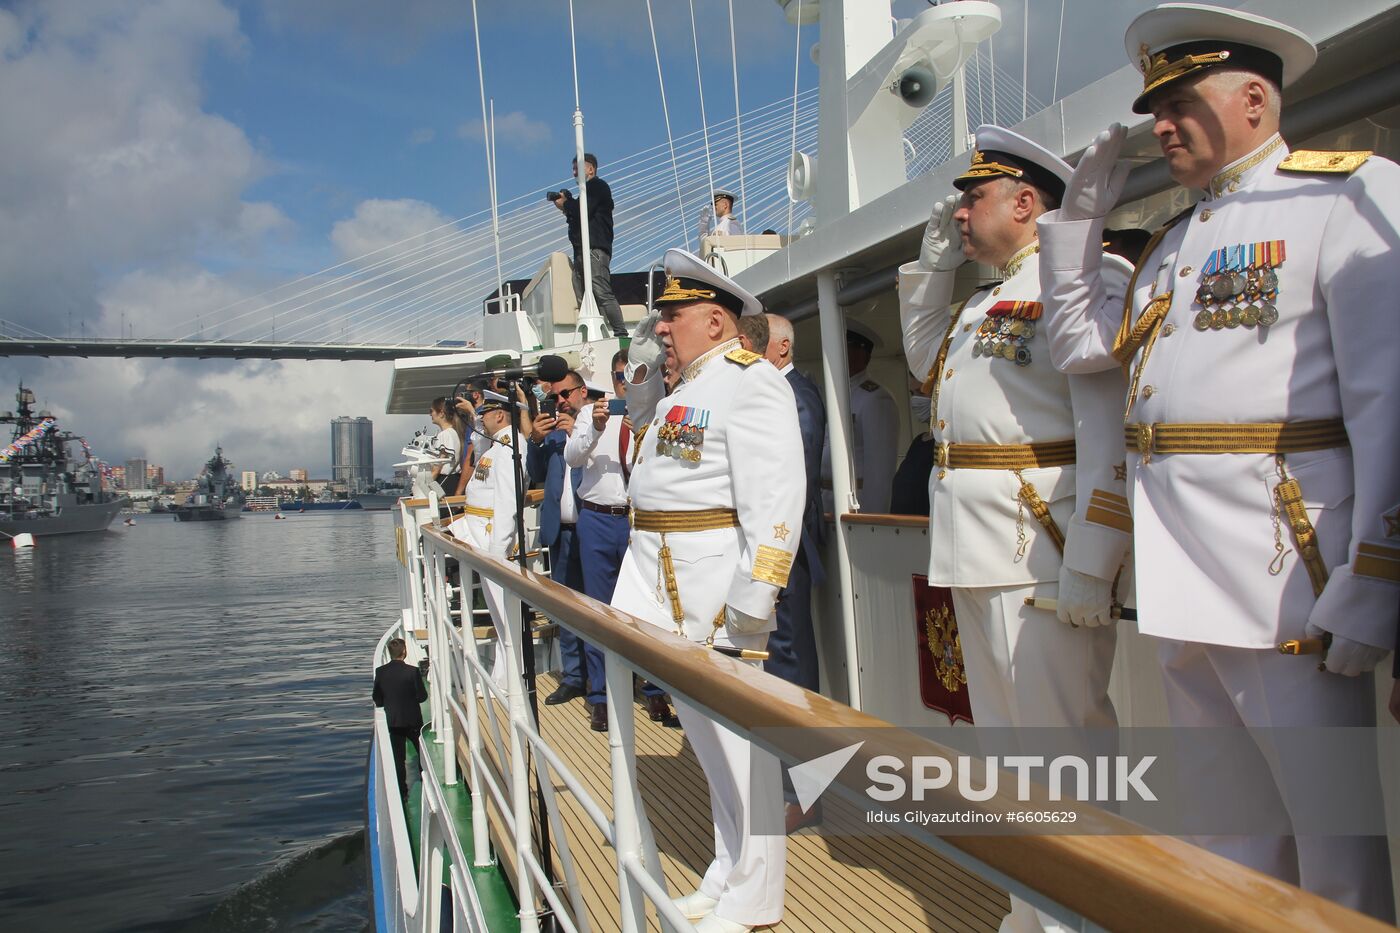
[[1024, 498], [717, 495], [1260, 339], [489, 522]]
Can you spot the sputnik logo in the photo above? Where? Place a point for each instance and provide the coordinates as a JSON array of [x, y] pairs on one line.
[[811, 778]]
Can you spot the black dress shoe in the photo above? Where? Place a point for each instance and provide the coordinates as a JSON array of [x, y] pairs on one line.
[[660, 711], [564, 694], [598, 720]]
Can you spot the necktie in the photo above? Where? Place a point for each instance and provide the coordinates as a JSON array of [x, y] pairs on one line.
[[623, 437]]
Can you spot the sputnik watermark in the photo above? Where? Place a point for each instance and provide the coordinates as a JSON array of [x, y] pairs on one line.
[[1100, 779]]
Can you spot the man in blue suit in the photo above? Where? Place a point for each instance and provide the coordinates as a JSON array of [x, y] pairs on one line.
[[544, 461]]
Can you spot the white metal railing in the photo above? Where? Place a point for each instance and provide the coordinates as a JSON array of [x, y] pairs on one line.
[[1173, 886]]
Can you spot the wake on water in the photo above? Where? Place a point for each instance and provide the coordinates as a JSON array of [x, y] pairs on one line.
[[319, 889]]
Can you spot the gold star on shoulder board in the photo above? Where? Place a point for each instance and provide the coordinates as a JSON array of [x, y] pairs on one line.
[[1392, 523], [1120, 471], [780, 531]]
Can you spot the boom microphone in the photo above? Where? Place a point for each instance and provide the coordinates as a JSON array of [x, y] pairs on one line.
[[549, 368]]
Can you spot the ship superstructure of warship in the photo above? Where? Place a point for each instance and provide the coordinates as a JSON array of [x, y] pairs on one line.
[[217, 495], [45, 488]]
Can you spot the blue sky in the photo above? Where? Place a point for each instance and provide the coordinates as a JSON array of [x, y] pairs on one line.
[[163, 159]]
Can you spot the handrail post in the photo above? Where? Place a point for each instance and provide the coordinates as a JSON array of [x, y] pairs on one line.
[[481, 843], [446, 729], [520, 775], [628, 814]]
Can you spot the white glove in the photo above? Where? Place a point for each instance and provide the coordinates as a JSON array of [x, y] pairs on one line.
[[741, 623], [706, 215], [1098, 179], [942, 247], [1346, 657], [1084, 600], [646, 348]]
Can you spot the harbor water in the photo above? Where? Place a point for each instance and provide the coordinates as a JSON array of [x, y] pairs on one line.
[[187, 713]]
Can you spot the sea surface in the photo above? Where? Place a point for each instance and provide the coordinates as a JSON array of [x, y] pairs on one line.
[[186, 719]]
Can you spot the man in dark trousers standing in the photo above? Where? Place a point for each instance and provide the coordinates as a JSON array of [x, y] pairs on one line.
[[399, 689], [792, 648], [600, 241]]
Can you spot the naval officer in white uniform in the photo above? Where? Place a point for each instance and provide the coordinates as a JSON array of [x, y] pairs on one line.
[[720, 220], [489, 522], [874, 428], [1261, 341], [717, 495], [1026, 496]]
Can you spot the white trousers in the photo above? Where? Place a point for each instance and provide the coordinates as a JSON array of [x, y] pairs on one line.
[[1027, 668], [1215, 685], [495, 596], [746, 876]]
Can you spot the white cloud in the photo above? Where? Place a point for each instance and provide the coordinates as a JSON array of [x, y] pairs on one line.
[[393, 226], [424, 134], [514, 130]]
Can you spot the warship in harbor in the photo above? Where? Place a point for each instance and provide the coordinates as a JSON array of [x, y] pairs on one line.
[[44, 489], [217, 496]]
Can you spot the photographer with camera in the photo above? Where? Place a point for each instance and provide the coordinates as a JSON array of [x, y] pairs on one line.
[[600, 240]]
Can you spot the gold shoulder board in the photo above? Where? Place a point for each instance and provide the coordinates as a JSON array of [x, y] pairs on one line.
[[870, 385], [1331, 163], [743, 357]]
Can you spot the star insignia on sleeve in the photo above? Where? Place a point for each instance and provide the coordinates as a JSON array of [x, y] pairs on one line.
[[1392, 523], [780, 531], [1120, 471]]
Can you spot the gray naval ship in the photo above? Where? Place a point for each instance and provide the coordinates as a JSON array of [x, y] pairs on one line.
[[43, 489], [216, 498]]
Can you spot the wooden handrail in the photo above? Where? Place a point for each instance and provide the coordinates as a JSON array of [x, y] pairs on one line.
[[1118, 877], [886, 521]]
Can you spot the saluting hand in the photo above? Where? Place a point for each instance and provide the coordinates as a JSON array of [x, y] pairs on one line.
[[942, 247], [1098, 179], [646, 349]]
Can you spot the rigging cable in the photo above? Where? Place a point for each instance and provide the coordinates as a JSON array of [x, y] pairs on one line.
[[792, 156], [666, 116], [738, 118], [1025, 50], [488, 132], [700, 86], [1059, 48]]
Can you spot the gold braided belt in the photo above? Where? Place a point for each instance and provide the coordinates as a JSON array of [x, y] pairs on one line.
[[479, 511], [1260, 438], [696, 520], [1004, 456]]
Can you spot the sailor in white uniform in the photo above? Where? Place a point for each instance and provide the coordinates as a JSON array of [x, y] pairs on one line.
[[1026, 496], [874, 428], [717, 495], [1261, 342], [489, 522], [720, 221]]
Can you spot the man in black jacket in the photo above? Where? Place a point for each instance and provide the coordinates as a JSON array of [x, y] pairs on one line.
[[399, 688], [600, 241]]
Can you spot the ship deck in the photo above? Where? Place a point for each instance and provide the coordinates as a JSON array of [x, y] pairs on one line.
[[837, 879]]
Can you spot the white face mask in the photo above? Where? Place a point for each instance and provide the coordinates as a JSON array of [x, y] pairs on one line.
[[920, 409]]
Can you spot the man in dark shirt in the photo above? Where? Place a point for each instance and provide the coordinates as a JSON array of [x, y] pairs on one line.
[[399, 689], [600, 241]]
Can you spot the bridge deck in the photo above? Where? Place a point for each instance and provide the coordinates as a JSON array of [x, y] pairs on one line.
[[837, 880]]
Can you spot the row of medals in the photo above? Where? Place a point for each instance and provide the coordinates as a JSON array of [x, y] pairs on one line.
[[1004, 337], [1230, 299], [682, 441]]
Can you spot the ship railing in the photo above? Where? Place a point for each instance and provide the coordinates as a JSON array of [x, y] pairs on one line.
[[1118, 877]]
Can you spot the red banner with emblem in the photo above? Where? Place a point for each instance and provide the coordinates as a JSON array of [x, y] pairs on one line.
[[942, 677]]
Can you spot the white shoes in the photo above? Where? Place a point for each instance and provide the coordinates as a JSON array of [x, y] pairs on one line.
[[695, 906], [713, 924]]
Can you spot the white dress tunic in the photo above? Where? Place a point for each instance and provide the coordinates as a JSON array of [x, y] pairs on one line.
[[490, 525], [750, 460], [1217, 579]]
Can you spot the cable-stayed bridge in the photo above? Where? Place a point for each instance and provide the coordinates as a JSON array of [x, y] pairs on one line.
[[424, 295]]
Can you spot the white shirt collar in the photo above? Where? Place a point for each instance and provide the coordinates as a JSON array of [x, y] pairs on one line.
[[785, 370]]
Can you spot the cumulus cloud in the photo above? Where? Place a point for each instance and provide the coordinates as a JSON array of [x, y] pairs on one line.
[[108, 159], [424, 134], [387, 228], [514, 130]]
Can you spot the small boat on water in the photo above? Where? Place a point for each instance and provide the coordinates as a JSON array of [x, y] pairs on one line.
[[45, 490], [216, 498]]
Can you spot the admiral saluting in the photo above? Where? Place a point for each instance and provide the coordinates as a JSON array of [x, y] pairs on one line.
[[1025, 500], [717, 496], [1260, 338]]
